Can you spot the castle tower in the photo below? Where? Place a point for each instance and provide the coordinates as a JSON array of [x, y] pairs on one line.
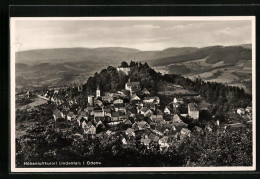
[[97, 92], [91, 100]]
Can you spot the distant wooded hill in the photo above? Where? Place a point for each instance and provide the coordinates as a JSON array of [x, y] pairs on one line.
[[214, 54], [231, 64]]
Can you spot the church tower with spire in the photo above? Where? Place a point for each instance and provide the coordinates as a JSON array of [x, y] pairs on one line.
[[97, 92]]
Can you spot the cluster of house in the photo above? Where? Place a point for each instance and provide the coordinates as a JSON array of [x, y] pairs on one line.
[[245, 111], [138, 110]]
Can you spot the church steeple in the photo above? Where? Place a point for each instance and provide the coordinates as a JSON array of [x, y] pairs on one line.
[[98, 92]]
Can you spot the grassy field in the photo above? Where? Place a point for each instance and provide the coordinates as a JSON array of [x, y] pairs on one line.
[[169, 89], [36, 102]]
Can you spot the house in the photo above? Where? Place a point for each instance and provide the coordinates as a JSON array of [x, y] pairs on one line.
[[107, 112], [139, 108], [28, 94], [83, 114], [146, 142], [115, 116], [123, 93], [154, 99], [125, 70], [178, 100], [208, 128], [140, 125], [131, 85], [198, 129], [118, 101], [248, 109], [98, 122], [158, 116], [193, 111], [71, 116], [185, 131], [123, 140], [159, 130], [175, 104], [135, 98], [89, 128], [57, 114], [151, 106], [130, 132], [119, 107], [98, 102], [64, 113], [149, 100], [90, 109], [80, 119], [240, 111], [146, 111], [163, 142], [122, 116], [131, 109], [145, 91], [167, 110], [153, 137], [98, 112], [107, 99], [147, 132], [108, 132]]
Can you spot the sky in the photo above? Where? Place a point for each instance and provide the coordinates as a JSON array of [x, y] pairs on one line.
[[139, 34]]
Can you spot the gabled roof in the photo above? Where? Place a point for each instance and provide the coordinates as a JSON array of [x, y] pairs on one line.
[[139, 116], [186, 131], [159, 116], [90, 108], [83, 113], [107, 110], [150, 98], [147, 131], [89, 124], [151, 136], [115, 114], [156, 139], [56, 111], [176, 119], [193, 106], [142, 124], [70, 114], [168, 107], [160, 128], [164, 139], [145, 109], [149, 105], [145, 141], [145, 91], [135, 96], [129, 131]]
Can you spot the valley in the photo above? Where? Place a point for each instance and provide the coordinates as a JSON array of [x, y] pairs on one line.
[[231, 65]]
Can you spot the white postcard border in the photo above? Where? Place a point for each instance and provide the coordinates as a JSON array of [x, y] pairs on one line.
[[128, 169]]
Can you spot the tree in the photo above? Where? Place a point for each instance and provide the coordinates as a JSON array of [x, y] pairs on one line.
[[124, 64]]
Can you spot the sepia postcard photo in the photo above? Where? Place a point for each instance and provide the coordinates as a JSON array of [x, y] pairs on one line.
[[127, 94]]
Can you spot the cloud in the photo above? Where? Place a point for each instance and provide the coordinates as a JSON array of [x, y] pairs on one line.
[[146, 26], [143, 35]]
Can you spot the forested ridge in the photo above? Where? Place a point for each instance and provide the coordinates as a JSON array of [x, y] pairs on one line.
[[222, 96]]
